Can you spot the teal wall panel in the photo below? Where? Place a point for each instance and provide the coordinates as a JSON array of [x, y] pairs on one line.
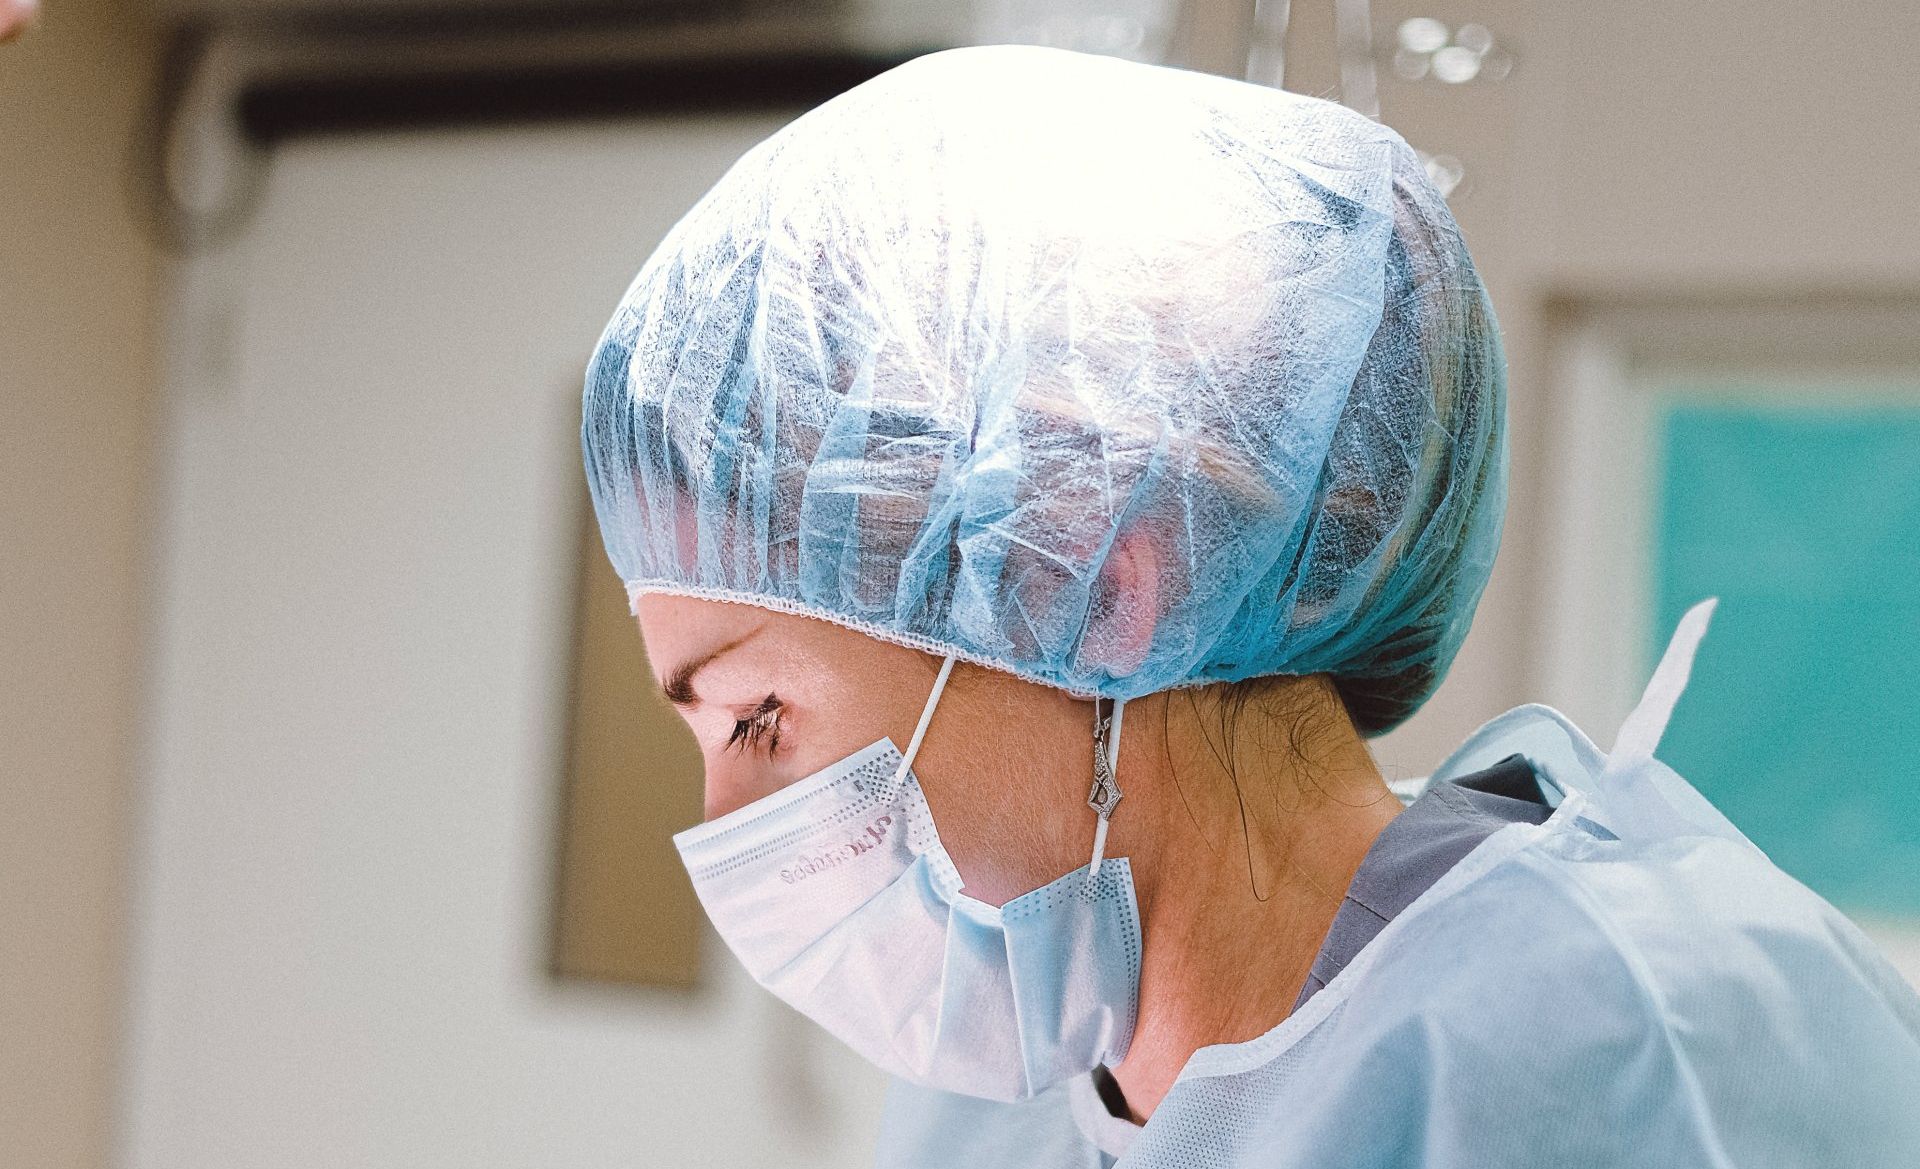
[[1802, 722]]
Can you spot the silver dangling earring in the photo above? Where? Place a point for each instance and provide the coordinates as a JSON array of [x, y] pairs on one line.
[[1106, 792]]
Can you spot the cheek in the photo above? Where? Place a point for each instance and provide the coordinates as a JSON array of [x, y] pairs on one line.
[[733, 782], [1011, 811]]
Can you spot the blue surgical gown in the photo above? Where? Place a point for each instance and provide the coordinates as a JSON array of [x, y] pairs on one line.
[[1629, 983]]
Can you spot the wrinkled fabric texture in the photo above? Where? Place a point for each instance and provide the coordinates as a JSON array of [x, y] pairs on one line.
[[1114, 376], [1630, 983]]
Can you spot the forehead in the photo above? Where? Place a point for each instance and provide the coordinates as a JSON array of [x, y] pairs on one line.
[[678, 630], [697, 616], [675, 628]]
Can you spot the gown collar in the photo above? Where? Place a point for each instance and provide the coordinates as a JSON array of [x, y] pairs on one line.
[[1625, 792]]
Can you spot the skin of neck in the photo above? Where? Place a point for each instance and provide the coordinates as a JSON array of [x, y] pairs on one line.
[[1244, 828]]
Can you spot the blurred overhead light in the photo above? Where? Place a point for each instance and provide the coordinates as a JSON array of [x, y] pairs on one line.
[[1443, 171], [1455, 65], [1474, 38], [1422, 34], [1427, 48]]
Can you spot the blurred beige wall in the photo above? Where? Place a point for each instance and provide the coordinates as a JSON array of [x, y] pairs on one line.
[[77, 300]]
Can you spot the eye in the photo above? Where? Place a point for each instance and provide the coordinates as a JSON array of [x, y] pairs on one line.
[[759, 728]]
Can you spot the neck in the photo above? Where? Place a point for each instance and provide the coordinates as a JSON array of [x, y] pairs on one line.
[[1245, 838]]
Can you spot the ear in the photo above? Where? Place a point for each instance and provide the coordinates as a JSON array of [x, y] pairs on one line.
[[1127, 605]]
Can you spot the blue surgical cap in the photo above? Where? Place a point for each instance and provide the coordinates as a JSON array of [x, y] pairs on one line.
[[1117, 377]]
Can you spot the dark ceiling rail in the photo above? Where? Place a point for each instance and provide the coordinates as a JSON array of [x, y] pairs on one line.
[[274, 109]]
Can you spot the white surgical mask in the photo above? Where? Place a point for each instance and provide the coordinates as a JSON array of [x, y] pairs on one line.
[[836, 894]]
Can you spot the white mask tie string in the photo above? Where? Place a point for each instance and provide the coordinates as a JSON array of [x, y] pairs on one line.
[[926, 716]]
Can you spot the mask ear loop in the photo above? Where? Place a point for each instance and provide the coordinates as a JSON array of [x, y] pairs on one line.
[[926, 716], [1106, 792]]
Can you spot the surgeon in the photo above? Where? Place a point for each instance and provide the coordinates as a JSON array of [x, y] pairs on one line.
[[1037, 476]]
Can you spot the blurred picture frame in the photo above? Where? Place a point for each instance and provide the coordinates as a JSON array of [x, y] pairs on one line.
[[623, 910]]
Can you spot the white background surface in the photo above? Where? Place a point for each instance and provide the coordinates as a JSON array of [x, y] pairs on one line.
[[372, 468]]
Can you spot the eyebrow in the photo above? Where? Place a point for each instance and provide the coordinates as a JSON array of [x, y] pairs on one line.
[[679, 687]]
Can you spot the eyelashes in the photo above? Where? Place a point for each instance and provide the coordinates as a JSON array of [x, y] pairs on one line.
[[760, 729]]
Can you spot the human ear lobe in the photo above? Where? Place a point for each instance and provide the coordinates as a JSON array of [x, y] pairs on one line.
[[1126, 606]]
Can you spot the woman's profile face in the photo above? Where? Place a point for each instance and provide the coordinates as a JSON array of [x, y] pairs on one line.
[[774, 697]]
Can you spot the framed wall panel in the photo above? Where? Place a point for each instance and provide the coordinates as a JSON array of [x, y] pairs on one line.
[[624, 910], [1765, 450], [1802, 514]]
